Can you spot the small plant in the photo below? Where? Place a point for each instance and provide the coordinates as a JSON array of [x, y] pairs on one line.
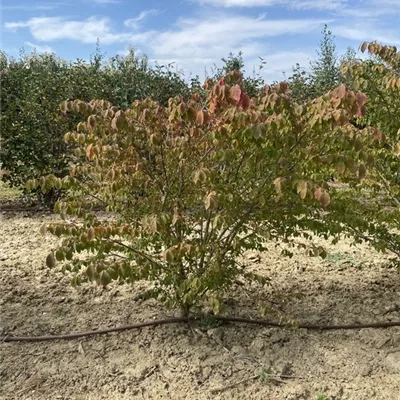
[[193, 185], [346, 258], [263, 374]]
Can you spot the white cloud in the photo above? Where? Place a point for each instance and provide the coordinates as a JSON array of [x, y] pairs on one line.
[[45, 6], [134, 22], [49, 29], [318, 4], [39, 48], [371, 9], [367, 32], [223, 33], [294, 4], [193, 47]]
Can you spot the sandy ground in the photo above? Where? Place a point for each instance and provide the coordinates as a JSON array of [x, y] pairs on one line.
[[182, 362]]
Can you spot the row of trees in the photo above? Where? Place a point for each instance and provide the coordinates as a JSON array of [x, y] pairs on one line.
[[33, 86]]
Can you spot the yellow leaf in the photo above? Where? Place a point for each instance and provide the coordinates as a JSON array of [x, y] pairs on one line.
[[90, 152], [210, 201], [278, 185], [302, 189]]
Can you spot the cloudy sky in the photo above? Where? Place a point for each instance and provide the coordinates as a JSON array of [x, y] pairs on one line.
[[195, 34]]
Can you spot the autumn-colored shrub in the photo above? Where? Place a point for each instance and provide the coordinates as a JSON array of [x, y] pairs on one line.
[[192, 185], [379, 78]]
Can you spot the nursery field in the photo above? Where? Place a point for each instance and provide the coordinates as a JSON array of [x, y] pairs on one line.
[[197, 362], [212, 204]]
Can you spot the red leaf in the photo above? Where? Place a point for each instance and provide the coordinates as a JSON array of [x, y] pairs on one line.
[[245, 100]]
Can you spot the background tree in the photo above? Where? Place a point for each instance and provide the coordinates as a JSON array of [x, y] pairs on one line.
[[323, 74], [32, 88]]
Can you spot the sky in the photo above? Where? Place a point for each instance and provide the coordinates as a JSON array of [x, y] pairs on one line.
[[196, 34]]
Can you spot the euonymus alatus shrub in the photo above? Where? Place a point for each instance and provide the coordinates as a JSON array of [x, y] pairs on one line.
[[193, 185]]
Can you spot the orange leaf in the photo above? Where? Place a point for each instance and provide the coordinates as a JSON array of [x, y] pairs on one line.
[[90, 152], [340, 91], [325, 199], [200, 117], [318, 193], [235, 93], [379, 136]]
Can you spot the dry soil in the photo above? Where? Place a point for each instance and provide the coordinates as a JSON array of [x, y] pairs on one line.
[[196, 362]]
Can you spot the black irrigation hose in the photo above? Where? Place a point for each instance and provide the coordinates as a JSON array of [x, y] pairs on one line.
[[177, 320]]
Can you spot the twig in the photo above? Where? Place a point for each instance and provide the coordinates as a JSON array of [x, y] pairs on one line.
[[4, 339]]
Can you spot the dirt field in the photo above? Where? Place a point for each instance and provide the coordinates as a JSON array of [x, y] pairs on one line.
[[182, 362]]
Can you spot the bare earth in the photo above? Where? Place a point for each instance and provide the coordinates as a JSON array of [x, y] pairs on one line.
[[196, 362]]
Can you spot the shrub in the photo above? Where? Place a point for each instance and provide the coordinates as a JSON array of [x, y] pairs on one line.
[[379, 78], [192, 186]]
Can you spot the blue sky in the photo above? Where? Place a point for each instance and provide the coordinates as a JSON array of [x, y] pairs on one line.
[[195, 34]]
